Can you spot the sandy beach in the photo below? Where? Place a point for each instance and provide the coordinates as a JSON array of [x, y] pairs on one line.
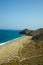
[[10, 50]]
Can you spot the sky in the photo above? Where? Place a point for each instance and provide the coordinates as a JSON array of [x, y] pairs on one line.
[[21, 14]]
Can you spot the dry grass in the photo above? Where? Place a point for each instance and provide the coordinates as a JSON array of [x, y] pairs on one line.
[[22, 52]]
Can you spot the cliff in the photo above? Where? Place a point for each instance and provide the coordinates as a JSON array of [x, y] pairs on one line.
[[37, 34]]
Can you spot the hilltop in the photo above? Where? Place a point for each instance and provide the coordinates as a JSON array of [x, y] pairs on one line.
[[37, 34]]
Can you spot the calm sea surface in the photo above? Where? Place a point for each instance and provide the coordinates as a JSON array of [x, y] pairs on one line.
[[7, 35]]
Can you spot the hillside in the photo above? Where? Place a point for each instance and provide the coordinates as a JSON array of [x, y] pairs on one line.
[[30, 54], [27, 50], [37, 34]]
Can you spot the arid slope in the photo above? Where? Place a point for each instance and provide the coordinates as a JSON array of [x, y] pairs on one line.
[[23, 51]]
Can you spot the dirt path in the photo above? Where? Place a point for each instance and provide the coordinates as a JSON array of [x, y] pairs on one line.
[[28, 57]]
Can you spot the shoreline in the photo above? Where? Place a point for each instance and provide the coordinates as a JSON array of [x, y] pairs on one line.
[[11, 40], [10, 50]]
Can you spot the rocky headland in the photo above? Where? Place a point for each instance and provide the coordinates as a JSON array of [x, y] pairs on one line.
[[37, 34]]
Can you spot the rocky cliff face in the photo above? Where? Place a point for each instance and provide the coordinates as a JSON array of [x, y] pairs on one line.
[[37, 34], [26, 32]]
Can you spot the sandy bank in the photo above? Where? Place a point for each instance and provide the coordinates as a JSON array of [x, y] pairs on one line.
[[9, 50]]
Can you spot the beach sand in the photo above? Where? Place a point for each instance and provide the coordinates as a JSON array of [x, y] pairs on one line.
[[10, 50]]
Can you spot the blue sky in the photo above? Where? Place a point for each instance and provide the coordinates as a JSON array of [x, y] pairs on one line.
[[20, 14]]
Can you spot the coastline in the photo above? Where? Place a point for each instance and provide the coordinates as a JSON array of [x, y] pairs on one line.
[[10, 49], [11, 40], [13, 51]]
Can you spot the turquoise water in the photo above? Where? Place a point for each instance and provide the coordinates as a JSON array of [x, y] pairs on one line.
[[7, 35]]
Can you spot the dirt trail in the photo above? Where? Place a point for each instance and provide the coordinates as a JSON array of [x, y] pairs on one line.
[[28, 57]]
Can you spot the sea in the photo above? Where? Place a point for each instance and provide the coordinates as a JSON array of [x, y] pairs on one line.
[[7, 35]]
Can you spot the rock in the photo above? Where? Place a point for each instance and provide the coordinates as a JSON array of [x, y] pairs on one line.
[[37, 34], [26, 32]]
